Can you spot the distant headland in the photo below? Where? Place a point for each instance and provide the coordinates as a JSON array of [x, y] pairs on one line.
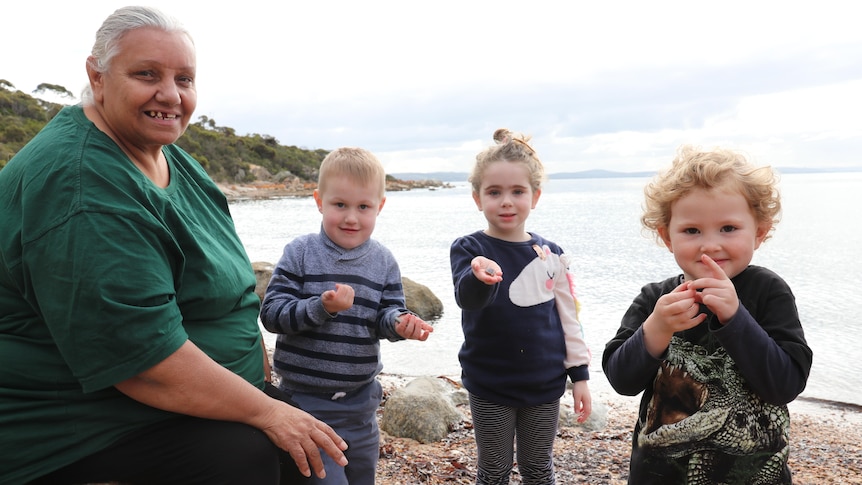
[[598, 174]]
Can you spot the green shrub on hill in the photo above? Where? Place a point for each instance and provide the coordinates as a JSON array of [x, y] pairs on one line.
[[226, 156]]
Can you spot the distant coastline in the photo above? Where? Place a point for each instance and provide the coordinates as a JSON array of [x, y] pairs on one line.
[[594, 174], [438, 180], [273, 190]]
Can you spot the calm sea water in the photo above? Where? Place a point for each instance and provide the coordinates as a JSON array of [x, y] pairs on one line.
[[814, 248]]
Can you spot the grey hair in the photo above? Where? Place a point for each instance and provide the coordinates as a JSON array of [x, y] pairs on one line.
[[113, 29]]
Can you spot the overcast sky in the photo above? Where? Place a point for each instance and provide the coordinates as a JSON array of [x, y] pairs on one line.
[[612, 85]]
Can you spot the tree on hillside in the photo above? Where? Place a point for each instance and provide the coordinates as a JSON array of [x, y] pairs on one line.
[[205, 121], [56, 88], [6, 85]]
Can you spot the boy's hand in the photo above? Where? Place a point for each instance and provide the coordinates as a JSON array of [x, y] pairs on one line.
[[583, 400], [337, 300], [719, 294], [486, 270], [674, 312], [412, 327]]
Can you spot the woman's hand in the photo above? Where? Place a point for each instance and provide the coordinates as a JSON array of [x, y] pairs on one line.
[[303, 436]]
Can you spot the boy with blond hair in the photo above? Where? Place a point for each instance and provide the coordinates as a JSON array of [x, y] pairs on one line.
[[333, 295]]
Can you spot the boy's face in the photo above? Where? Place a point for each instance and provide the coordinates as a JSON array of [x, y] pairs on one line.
[[716, 222], [349, 210]]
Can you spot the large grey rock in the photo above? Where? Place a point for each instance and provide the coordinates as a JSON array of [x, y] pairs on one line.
[[421, 300], [263, 273], [260, 173], [597, 421], [421, 410]]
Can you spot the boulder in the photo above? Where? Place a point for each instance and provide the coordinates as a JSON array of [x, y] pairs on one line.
[[263, 273], [284, 175], [421, 410], [260, 173], [597, 421], [421, 300]]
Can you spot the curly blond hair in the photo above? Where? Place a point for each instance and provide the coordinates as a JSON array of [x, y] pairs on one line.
[[707, 169], [509, 147]]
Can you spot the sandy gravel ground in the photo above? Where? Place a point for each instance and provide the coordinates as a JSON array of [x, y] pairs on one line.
[[825, 448]]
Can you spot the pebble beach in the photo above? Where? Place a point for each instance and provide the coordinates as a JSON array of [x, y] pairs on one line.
[[825, 447]]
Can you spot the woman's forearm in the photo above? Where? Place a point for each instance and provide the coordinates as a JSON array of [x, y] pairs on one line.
[[209, 391], [214, 392]]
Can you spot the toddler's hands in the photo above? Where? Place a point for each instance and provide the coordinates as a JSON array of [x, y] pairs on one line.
[[412, 327], [678, 310], [719, 294], [337, 300], [674, 312], [486, 270]]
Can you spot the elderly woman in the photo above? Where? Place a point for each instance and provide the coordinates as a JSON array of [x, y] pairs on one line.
[[129, 344]]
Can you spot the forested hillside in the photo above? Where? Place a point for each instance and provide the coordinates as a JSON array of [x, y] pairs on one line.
[[226, 156]]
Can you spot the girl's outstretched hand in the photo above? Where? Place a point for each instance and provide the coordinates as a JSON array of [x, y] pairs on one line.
[[486, 270], [412, 327]]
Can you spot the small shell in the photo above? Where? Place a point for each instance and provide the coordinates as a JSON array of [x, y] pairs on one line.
[[490, 271]]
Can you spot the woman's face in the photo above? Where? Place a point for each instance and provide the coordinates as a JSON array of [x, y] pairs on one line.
[[147, 95]]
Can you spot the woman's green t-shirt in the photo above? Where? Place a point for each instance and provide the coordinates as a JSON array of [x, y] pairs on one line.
[[103, 274]]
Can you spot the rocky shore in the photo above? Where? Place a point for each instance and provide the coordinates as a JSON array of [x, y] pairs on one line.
[[825, 446], [298, 188]]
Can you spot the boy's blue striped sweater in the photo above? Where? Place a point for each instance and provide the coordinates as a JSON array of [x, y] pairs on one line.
[[319, 352]]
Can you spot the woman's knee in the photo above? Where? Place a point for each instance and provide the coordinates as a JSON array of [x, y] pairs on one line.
[[236, 453]]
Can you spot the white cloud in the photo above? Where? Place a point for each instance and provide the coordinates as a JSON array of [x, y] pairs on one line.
[[818, 113], [614, 85]]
